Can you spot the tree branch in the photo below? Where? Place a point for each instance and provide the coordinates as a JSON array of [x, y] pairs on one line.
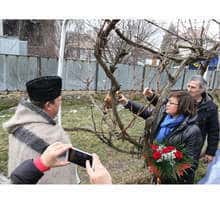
[[156, 53], [168, 31]]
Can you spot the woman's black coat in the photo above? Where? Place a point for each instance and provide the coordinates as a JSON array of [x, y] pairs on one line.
[[187, 134]]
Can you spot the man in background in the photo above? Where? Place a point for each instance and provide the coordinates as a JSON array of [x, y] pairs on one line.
[[207, 112]]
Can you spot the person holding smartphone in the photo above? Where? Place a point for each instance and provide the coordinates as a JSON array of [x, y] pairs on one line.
[[31, 171]]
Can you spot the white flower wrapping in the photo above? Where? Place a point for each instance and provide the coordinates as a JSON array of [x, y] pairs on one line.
[[170, 156]]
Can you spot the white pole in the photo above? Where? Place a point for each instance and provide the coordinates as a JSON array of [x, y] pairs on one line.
[[205, 75], [1, 28], [61, 58]]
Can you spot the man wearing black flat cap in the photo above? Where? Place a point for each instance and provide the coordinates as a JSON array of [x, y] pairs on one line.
[[32, 128]]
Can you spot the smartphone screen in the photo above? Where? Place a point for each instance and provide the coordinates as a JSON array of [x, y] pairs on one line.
[[79, 157]]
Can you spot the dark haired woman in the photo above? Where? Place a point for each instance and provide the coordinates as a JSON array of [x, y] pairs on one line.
[[175, 125]]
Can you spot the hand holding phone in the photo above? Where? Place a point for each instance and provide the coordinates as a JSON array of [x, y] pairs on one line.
[[98, 174], [79, 157]]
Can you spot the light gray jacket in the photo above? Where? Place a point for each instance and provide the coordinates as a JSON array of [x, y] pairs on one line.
[[28, 123]]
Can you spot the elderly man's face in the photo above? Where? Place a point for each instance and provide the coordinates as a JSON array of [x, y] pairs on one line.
[[52, 108], [194, 89]]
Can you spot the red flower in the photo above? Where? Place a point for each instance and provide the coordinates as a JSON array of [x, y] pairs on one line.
[[181, 168], [156, 155], [170, 158], [178, 155], [171, 148], [154, 147], [167, 149]]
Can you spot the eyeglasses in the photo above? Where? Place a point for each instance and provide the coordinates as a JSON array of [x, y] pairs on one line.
[[190, 87], [171, 103]]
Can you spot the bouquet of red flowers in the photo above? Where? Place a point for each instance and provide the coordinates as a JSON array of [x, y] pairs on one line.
[[167, 162]]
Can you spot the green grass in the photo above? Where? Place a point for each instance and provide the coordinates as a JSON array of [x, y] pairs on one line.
[[7, 102], [124, 168], [76, 112], [4, 115]]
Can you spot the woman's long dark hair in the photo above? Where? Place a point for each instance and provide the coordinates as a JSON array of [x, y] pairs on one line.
[[186, 103]]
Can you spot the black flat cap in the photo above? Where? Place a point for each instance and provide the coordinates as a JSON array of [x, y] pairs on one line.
[[44, 88]]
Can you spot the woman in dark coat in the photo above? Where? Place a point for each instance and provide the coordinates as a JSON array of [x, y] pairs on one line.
[[175, 125]]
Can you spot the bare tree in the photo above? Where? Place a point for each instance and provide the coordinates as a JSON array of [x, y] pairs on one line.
[[196, 49], [116, 40]]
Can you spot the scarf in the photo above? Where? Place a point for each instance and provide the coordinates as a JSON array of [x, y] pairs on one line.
[[167, 125]]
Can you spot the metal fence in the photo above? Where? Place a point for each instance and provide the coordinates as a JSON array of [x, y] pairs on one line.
[[12, 45], [16, 70]]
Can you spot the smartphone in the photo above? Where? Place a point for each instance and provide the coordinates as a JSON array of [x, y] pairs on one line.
[[79, 157]]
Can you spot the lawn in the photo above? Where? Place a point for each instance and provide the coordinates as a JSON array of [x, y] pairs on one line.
[[76, 111]]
